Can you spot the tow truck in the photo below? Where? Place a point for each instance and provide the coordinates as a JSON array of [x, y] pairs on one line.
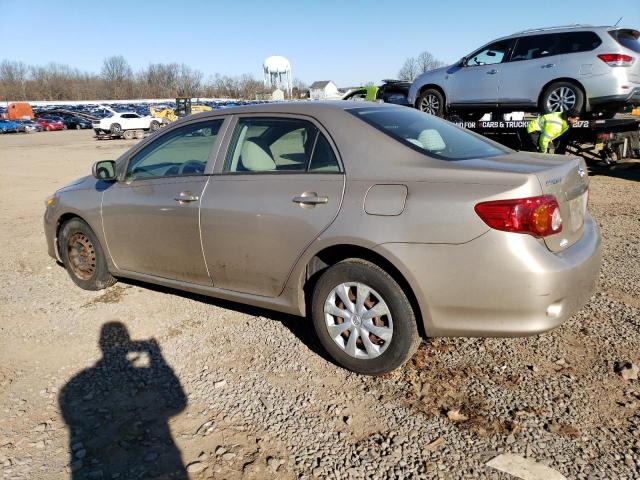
[[601, 142]]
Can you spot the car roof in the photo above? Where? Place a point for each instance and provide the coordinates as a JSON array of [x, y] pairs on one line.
[[303, 107], [560, 29]]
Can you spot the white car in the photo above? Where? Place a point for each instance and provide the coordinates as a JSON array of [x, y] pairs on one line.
[[122, 121]]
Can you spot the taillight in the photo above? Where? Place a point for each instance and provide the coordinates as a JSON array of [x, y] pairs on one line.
[[616, 59], [537, 216]]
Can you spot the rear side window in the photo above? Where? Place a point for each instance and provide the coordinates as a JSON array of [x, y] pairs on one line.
[[575, 42], [535, 46], [279, 145], [627, 38], [428, 134]]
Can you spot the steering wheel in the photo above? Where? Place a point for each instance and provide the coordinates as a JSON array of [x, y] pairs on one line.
[[196, 165]]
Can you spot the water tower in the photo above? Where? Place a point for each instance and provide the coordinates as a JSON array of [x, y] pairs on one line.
[[277, 73]]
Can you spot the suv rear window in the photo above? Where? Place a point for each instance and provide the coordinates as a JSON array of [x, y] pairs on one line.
[[427, 134], [627, 38]]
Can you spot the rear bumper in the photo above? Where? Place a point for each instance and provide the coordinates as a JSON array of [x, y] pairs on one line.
[[500, 284], [632, 97]]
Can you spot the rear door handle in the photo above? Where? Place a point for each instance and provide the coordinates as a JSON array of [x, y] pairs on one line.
[[492, 72], [549, 65], [186, 197], [310, 198]]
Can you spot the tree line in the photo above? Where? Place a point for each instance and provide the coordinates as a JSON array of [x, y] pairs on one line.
[[414, 66], [118, 81]]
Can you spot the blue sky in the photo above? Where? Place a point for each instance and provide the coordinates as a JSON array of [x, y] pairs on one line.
[[348, 41]]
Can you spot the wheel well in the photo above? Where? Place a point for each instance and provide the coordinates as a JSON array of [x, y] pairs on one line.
[[434, 86], [64, 218], [568, 80], [337, 253]]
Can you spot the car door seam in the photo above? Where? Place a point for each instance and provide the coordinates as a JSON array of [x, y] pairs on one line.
[[204, 257], [104, 231]]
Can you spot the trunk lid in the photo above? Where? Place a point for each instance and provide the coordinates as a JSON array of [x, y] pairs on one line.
[[569, 183]]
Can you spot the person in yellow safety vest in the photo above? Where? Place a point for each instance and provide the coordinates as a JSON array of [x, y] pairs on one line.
[[546, 128]]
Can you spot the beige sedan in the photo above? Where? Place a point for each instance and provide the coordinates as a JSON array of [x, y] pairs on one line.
[[380, 223]]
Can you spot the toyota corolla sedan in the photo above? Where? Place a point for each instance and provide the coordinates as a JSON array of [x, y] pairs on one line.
[[380, 223]]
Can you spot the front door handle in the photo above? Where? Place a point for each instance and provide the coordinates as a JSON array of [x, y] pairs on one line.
[[186, 197], [492, 72], [309, 198], [549, 65]]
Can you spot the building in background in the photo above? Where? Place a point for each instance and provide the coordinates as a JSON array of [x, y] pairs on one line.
[[324, 90]]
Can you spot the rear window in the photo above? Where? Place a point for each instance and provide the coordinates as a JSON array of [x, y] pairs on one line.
[[429, 135], [627, 38]]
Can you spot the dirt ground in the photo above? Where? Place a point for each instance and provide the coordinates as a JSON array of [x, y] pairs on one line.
[[139, 381]]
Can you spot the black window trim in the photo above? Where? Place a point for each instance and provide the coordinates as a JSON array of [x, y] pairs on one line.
[[229, 144], [505, 59]]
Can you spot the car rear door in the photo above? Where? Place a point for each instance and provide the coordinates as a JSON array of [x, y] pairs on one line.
[[151, 215], [276, 189]]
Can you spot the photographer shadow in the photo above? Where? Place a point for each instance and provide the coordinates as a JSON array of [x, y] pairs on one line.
[[118, 412]]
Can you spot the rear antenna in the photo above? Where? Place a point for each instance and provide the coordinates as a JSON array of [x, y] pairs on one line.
[[619, 20]]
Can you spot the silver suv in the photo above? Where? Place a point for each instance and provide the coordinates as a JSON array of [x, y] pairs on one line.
[[592, 69]]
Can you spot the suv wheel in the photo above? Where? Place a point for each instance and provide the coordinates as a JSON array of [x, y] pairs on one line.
[[431, 101], [83, 257], [562, 96], [363, 318]]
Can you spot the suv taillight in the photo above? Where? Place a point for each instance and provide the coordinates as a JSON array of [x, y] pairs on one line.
[[537, 216], [616, 59]]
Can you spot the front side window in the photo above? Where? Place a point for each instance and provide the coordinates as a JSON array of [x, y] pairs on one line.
[[183, 151], [535, 46], [490, 55], [428, 134], [279, 145]]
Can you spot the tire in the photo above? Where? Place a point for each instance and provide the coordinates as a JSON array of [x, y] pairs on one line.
[[48, 129], [431, 101], [115, 128], [399, 322], [153, 126], [78, 127], [561, 96], [128, 134], [139, 134], [64, 127], [83, 256]]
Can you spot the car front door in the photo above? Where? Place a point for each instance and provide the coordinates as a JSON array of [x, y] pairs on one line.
[[277, 188], [534, 63], [151, 215], [475, 82]]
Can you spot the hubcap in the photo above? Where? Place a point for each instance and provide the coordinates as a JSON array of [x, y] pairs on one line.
[[358, 320], [430, 104], [82, 256], [561, 99]]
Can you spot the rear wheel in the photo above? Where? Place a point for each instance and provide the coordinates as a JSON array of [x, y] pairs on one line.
[[363, 318], [83, 256], [431, 101], [562, 96], [153, 126]]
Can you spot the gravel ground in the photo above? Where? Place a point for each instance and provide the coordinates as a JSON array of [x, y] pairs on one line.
[[93, 382]]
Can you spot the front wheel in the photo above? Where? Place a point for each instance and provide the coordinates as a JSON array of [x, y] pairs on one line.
[[115, 128], [562, 96], [363, 318], [153, 126], [431, 101], [83, 257]]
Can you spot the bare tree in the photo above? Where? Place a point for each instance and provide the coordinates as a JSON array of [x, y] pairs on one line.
[[426, 61], [409, 70], [189, 82], [13, 80], [117, 76]]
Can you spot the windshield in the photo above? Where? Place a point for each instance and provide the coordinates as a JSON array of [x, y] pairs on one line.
[[428, 134], [627, 38]]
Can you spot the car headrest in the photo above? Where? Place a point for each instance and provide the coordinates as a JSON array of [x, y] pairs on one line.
[[255, 158], [431, 140]]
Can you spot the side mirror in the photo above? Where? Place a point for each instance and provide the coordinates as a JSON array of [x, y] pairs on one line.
[[463, 62], [104, 170]]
